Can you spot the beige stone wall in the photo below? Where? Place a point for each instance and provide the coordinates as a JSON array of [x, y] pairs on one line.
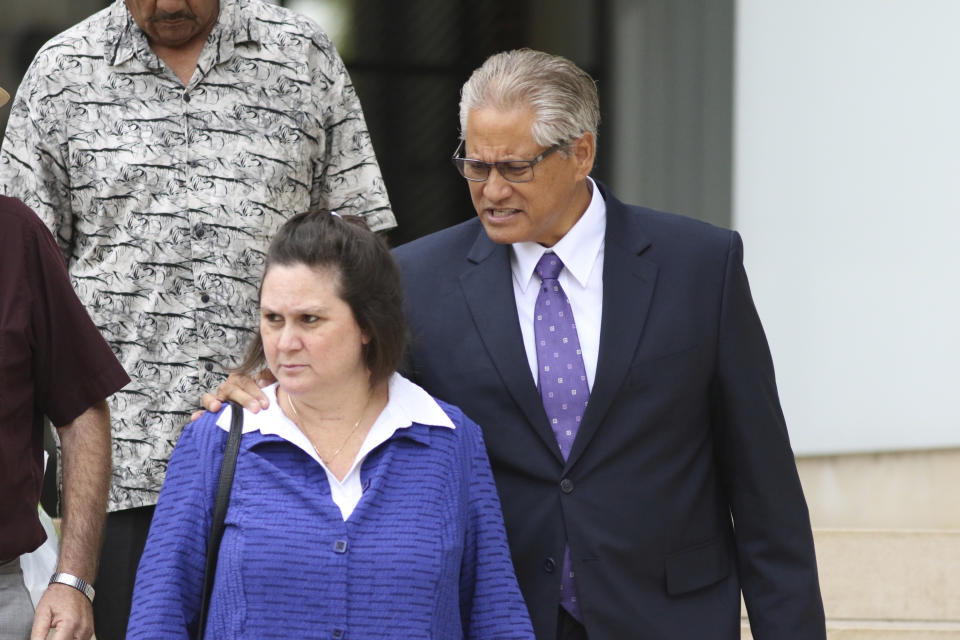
[[896, 585], [900, 490], [887, 530]]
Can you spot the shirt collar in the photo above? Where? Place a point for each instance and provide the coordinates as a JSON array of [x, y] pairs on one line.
[[407, 404], [122, 39], [121, 36], [577, 249], [410, 404]]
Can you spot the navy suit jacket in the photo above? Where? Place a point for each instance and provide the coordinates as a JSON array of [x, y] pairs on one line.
[[681, 486]]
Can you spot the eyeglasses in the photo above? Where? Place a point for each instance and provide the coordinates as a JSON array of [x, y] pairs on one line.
[[510, 170]]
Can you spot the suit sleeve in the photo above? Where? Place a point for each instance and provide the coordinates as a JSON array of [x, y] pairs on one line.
[[775, 551], [166, 595], [491, 605]]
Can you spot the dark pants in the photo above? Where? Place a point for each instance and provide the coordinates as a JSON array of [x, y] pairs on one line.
[[123, 540], [567, 627]]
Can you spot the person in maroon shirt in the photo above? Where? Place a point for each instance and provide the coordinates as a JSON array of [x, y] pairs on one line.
[[53, 362]]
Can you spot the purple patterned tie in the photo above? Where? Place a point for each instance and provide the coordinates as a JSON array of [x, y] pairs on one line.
[[562, 381]]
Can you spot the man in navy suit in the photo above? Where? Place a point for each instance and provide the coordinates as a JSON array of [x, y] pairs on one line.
[[662, 483], [680, 487]]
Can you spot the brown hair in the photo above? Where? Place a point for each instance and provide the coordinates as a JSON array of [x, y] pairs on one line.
[[368, 282]]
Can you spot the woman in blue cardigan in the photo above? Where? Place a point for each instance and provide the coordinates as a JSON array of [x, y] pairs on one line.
[[361, 506]]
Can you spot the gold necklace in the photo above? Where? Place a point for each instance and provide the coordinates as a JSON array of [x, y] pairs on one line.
[[356, 425]]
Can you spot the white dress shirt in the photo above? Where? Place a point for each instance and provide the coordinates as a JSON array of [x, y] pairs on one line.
[[581, 251]]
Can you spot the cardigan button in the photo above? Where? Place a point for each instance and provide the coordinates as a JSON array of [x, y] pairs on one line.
[[340, 546], [566, 485], [338, 633], [549, 565]]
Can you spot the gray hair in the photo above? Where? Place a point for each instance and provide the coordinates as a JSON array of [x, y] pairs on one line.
[[562, 95]]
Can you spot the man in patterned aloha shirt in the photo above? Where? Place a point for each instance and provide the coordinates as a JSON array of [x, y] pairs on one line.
[[163, 142]]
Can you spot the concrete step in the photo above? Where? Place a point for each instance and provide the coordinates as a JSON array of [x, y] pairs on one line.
[[889, 584], [893, 490], [878, 630]]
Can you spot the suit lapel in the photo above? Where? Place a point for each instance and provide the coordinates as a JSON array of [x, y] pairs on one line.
[[628, 285], [487, 285]]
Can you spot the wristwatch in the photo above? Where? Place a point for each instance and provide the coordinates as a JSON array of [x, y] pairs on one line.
[[73, 581]]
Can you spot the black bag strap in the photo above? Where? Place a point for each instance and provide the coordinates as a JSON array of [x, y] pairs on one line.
[[224, 485]]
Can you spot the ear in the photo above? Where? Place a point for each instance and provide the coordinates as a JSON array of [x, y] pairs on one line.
[[364, 337], [584, 152]]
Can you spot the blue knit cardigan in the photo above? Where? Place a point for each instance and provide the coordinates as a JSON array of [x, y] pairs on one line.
[[423, 555]]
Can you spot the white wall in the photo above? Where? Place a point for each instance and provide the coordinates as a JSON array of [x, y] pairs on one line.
[[847, 193]]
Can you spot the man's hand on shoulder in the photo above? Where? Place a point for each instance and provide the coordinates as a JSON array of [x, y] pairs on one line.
[[239, 388], [66, 612]]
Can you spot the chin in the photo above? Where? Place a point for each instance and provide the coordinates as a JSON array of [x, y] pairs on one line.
[[503, 234], [293, 385]]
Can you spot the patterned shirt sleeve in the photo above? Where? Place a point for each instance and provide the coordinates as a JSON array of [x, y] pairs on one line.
[[33, 162], [346, 177]]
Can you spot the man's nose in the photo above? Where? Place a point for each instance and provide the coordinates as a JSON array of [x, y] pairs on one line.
[[496, 187]]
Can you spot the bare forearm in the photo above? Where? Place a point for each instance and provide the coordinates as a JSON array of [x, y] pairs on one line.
[[86, 479]]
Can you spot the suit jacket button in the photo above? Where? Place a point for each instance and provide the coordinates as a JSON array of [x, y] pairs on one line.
[[549, 565], [566, 485]]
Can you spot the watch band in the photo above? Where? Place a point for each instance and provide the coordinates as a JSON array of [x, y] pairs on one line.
[[73, 581]]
